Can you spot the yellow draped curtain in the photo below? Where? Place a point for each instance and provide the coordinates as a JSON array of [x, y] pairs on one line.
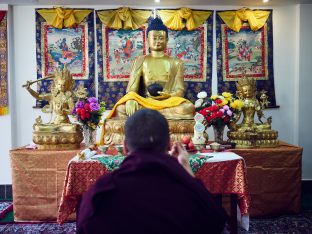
[[235, 19], [124, 18], [183, 18], [64, 18]]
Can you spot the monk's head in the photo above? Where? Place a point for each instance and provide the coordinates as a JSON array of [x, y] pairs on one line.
[[147, 130], [157, 35]]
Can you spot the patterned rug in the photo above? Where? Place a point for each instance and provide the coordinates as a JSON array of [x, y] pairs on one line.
[[294, 224], [5, 207], [32, 228]]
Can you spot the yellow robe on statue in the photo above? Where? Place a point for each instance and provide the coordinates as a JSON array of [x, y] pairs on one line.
[[147, 102]]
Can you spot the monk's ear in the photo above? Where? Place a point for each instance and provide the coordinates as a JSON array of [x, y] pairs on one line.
[[125, 147]]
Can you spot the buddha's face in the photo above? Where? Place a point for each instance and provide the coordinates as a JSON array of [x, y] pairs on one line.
[[247, 91], [157, 40]]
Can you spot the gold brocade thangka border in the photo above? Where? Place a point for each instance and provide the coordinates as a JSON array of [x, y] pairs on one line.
[[261, 72], [84, 74], [4, 96]]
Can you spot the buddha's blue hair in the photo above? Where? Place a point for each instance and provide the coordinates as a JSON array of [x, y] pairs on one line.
[[156, 25]]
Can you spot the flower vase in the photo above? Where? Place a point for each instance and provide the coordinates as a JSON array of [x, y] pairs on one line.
[[218, 133], [89, 135]]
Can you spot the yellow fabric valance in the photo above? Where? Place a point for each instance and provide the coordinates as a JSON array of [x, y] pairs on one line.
[[174, 19], [64, 18], [124, 18], [234, 19]]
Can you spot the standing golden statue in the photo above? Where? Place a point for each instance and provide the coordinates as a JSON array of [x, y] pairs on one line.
[[59, 133], [249, 134], [156, 82]]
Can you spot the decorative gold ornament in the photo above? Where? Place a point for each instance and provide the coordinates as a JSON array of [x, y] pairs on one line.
[[114, 130], [249, 134], [59, 133]]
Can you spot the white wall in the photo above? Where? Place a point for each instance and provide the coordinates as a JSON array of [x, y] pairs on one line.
[[305, 88], [286, 45]]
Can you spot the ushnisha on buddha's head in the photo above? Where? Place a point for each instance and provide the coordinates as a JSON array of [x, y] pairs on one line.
[[157, 35]]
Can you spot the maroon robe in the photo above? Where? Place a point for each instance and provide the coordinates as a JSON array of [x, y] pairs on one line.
[[149, 193]]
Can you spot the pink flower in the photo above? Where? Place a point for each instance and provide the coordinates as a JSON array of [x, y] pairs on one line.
[[226, 107], [229, 113]]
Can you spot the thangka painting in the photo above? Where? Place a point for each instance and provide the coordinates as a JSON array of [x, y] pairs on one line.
[[117, 49], [4, 102], [245, 52], [71, 46], [194, 48]]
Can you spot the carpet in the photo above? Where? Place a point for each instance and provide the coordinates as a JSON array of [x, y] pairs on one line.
[[294, 224], [5, 207], [32, 228]]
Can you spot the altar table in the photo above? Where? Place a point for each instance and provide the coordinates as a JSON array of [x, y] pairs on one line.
[[274, 179], [225, 173], [37, 182]]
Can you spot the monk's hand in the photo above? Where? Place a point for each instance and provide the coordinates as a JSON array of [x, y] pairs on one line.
[[178, 151], [162, 95], [131, 107]]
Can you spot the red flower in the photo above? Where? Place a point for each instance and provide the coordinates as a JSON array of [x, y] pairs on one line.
[[226, 119], [218, 101], [219, 114], [213, 108], [87, 106]]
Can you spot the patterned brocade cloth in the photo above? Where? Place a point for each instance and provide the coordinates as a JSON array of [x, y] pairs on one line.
[[223, 173]]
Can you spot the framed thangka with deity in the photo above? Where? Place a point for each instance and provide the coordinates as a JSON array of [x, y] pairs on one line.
[[72, 46], [117, 49], [194, 48], [245, 53]]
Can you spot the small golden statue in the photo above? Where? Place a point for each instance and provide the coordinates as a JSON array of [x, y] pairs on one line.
[[59, 133], [249, 134], [156, 82]]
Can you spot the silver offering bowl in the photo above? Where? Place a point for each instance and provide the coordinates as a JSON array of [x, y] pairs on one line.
[[215, 146], [103, 148], [199, 147], [119, 149]]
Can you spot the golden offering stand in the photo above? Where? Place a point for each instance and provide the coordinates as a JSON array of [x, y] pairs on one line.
[[114, 130], [58, 133], [249, 134]]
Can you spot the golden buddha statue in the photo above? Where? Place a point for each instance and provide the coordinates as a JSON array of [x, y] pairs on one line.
[[249, 134], [156, 82], [59, 133]]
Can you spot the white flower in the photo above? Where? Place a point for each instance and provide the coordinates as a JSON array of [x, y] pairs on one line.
[[198, 103], [202, 94]]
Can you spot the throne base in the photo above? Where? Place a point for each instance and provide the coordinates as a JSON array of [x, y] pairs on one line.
[[262, 139], [62, 137], [114, 130]]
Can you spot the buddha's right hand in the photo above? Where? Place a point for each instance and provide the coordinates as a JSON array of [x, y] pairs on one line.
[[131, 107]]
